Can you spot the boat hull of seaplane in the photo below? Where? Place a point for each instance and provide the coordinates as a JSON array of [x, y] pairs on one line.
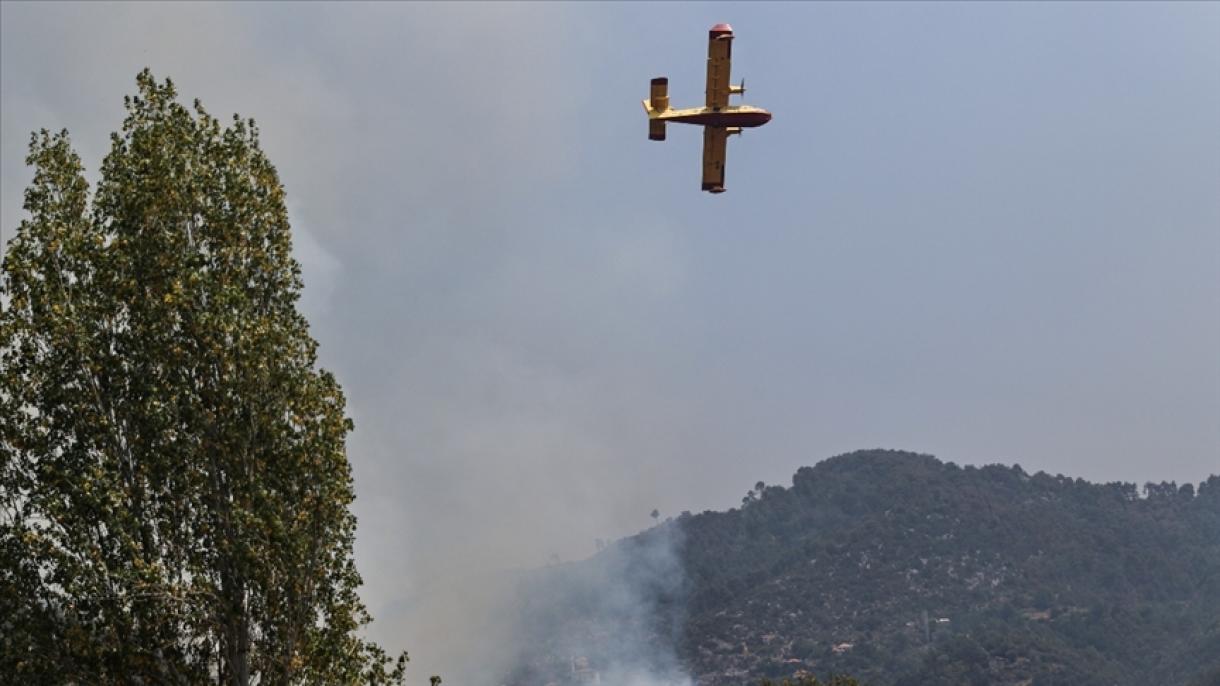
[[742, 117]]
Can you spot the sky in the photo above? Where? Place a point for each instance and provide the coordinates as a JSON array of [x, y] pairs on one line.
[[989, 232]]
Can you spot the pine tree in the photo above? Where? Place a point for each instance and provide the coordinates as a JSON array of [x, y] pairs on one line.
[[174, 484]]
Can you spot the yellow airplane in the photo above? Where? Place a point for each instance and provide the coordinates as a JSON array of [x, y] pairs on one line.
[[718, 118]]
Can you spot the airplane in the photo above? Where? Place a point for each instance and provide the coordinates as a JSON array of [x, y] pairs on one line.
[[718, 118]]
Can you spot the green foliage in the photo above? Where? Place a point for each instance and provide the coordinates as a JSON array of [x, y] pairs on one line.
[[175, 485]]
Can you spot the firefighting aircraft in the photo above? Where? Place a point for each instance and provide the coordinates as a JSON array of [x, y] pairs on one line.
[[718, 118]]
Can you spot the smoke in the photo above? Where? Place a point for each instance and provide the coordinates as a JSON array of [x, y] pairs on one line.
[[614, 619]]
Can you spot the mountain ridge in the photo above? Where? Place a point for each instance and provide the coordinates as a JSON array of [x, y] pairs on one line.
[[902, 569]]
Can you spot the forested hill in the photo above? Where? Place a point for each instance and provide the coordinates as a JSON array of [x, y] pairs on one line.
[[901, 569]]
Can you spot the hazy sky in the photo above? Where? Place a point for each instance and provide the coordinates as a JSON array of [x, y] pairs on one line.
[[988, 232]]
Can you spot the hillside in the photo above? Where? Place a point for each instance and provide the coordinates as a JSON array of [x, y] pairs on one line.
[[899, 569]]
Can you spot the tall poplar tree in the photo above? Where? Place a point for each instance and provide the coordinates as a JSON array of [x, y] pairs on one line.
[[174, 485]]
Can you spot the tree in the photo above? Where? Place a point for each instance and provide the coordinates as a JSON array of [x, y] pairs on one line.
[[175, 484]]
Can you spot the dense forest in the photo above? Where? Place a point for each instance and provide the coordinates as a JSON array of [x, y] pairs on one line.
[[900, 569]]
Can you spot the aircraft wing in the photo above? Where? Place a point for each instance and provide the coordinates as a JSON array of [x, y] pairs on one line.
[[719, 57], [715, 148]]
